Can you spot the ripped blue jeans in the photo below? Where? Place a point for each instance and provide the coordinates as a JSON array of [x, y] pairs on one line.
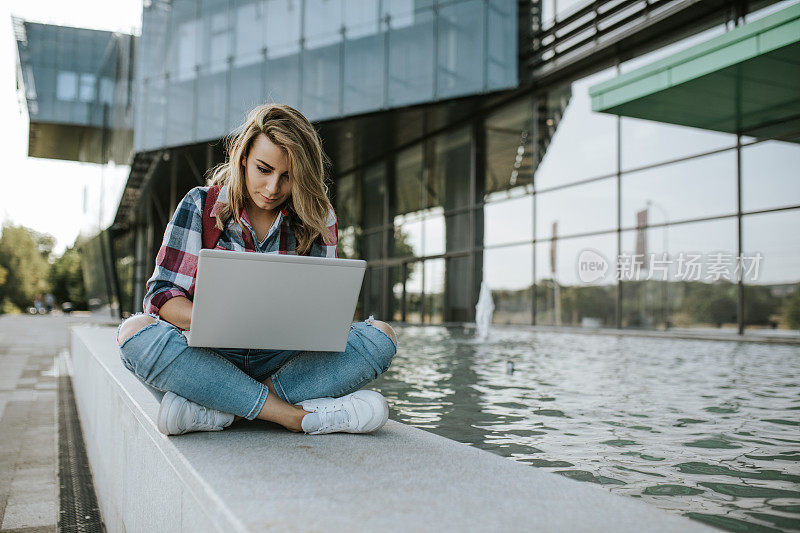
[[230, 380]]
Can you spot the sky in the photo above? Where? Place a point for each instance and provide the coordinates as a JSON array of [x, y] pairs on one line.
[[56, 197]]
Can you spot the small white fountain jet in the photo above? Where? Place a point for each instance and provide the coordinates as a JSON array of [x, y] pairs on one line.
[[483, 311]]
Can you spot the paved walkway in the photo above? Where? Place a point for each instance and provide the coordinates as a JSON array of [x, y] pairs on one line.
[[29, 489]]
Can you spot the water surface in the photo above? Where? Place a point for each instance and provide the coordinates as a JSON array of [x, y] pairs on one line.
[[707, 429]]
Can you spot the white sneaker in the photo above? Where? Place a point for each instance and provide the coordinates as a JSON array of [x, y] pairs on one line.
[[362, 411], [177, 415]]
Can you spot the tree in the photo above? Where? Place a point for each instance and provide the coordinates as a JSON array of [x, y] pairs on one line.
[[792, 309], [66, 279], [23, 256]]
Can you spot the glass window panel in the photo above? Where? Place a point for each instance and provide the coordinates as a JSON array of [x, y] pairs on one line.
[[364, 75], [373, 245], [373, 288], [107, 91], [414, 292], [215, 42], [321, 84], [374, 190], [461, 48], [508, 222], [348, 245], [283, 80], [186, 43], [155, 113], [212, 101], [508, 272], [361, 18], [180, 112], [408, 180], [502, 45], [434, 291], [449, 181], [402, 11], [87, 88], [249, 35], [579, 143], [433, 227], [701, 187], [576, 281], [67, 86], [458, 306], [348, 200], [286, 15], [583, 208], [323, 22], [508, 147], [699, 293], [411, 58], [408, 232], [396, 308], [646, 142], [774, 235], [246, 92], [457, 230], [770, 175]]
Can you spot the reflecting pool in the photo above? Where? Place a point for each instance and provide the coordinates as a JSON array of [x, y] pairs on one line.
[[707, 429]]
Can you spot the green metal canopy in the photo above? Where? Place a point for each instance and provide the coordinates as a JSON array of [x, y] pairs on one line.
[[745, 81]]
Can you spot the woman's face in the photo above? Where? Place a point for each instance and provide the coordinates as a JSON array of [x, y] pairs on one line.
[[266, 174]]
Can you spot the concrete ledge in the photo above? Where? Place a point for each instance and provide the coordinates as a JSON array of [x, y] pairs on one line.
[[257, 476]]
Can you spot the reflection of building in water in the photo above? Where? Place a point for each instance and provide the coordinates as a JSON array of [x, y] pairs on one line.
[[461, 131]]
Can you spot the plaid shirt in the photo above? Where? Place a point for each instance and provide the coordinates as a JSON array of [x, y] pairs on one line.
[[176, 262]]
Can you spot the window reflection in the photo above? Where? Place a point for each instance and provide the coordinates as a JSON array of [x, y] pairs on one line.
[[374, 189], [699, 262], [508, 272], [701, 187], [510, 221], [433, 226], [502, 44], [461, 48], [568, 294], [578, 143], [449, 184], [414, 292], [590, 207], [772, 291], [508, 147], [408, 236], [434, 291], [769, 175], [408, 180], [411, 62], [646, 142], [285, 15]]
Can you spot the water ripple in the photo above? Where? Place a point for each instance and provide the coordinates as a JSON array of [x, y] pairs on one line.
[[706, 429]]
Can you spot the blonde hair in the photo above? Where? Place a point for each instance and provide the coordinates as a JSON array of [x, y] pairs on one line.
[[289, 129]]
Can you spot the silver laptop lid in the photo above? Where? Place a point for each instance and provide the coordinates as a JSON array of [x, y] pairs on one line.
[[272, 301]]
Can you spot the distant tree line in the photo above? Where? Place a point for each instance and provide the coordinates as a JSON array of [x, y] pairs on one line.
[[28, 267]]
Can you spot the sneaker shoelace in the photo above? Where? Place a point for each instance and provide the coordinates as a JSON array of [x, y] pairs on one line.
[[204, 418], [333, 416]]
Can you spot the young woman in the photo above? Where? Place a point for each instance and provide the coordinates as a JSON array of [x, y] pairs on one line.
[[270, 198]]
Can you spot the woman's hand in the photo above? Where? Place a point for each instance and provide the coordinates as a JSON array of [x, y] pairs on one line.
[[177, 311]]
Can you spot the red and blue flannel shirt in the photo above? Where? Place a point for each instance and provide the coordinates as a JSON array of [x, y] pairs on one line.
[[176, 262]]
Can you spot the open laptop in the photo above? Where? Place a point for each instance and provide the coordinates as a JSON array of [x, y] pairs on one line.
[[273, 301]]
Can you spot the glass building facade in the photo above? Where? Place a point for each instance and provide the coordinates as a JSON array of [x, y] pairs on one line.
[[203, 64], [464, 151]]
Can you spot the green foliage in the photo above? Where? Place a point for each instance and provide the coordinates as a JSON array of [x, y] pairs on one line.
[[791, 309], [66, 279], [23, 256]]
